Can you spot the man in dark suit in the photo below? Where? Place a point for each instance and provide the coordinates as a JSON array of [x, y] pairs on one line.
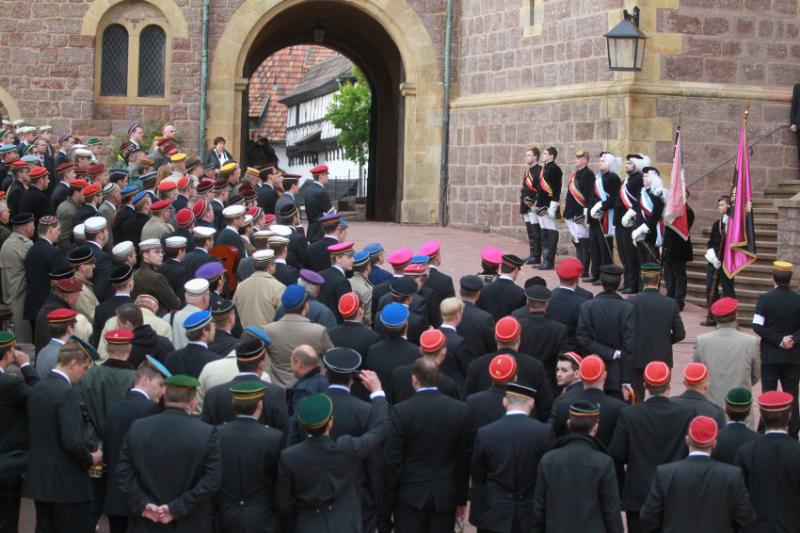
[[317, 202], [674, 503], [662, 315], [284, 272], [405, 291], [319, 478], [175, 481], [317, 255], [695, 379], [336, 284], [229, 235], [250, 454], [394, 350], [606, 327], [794, 115], [191, 359], [738, 402], [566, 300], [427, 472], [477, 325], [530, 371], [250, 360], [505, 461], [440, 284], [57, 476], [503, 295], [141, 401], [542, 338], [203, 242], [267, 195], [172, 268], [121, 279], [14, 441], [457, 359], [352, 333], [224, 321], [647, 435], [34, 199], [42, 258], [487, 405], [432, 345], [776, 320], [771, 467]]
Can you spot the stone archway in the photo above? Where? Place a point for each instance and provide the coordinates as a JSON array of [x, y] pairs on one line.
[[404, 70]]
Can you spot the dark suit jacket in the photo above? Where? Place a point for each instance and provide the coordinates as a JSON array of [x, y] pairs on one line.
[[175, 272], [609, 412], [487, 405], [544, 339], [457, 359], [195, 259], [440, 286], [317, 256], [223, 343], [217, 408], [336, 285], [401, 389], [267, 196], [117, 423], [35, 201], [386, 355], [85, 212], [477, 328], [41, 334], [59, 454], [501, 297], [184, 471], [190, 359], [13, 414], [103, 266], [428, 466], [672, 505], [317, 203], [41, 259], [647, 435], [780, 309], [147, 342], [355, 335], [664, 328], [286, 273], [701, 405], [59, 194], [211, 157], [231, 238], [563, 307], [730, 438], [132, 226], [794, 114], [297, 249], [250, 454]]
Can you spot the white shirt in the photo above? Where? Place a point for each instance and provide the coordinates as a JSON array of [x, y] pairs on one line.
[[699, 453], [140, 391], [223, 157], [506, 276], [199, 343], [282, 261], [63, 375], [516, 412], [340, 269], [339, 387], [783, 431], [422, 389], [448, 326], [566, 288]]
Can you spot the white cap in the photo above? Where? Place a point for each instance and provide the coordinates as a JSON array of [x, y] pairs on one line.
[[248, 219], [149, 244], [19, 122], [278, 239], [263, 256], [79, 146], [95, 224], [196, 286], [79, 231], [279, 229], [6, 122], [176, 241], [81, 152], [233, 211], [45, 128], [108, 188], [25, 129], [203, 231], [122, 249], [262, 235]]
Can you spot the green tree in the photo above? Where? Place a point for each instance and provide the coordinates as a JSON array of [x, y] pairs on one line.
[[349, 113]]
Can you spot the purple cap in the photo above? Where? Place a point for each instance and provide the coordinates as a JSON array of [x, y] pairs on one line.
[[210, 271], [311, 277]]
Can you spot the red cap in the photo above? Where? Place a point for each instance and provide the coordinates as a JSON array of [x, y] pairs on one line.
[[400, 257], [254, 212], [95, 169], [19, 164], [38, 171], [2, 194], [160, 205], [166, 185], [430, 248], [507, 329], [348, 304], [502, 368], [492, 255], [656, 373], [775, 401], [183, 181], [205, 185], [702, 430], [432, 340], [69, 284], [724, 307], [63, 167], [91, 190], [269, 218], [78, 184], [184, 217], [695, 373], [569, 269], [414, 269], [119, 336], [199, 207], [319, 169], [61, 315], [592, 368]]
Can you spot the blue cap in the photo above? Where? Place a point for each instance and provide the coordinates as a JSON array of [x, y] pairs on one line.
[[260, 333], [30, 159], [197, 320], [373, 248], [140, 196], [343, 223], [210, 271], [7, 148], [156, 364], [118, 171], [420, 259], [148, 176], [293, 297], [128, 190], [360, 258], [394, 315]]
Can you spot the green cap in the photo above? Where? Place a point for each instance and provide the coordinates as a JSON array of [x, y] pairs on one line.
[[182, 380], [315, 411], [93, 141], [7, 339], [651, 267], [739, 399], [248, 390]]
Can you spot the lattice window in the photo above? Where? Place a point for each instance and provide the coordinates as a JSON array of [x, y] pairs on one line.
[[152, 61], [114, 68]]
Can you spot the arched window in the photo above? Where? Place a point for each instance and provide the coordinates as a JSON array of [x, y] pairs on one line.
[[152, 61], [114, 73]]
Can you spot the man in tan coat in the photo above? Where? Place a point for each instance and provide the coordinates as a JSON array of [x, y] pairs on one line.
[[731, 356], [292, 330], [12, 272], [258, 297], [158, 224], [360, 283]]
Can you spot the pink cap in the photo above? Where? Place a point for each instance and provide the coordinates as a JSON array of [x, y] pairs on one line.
[[400, 257], [430, 248], [493, 255]]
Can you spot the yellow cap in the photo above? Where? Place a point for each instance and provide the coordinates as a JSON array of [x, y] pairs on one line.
[[782, 266], [178, 158], [253, 171], [158, 138], [227, 168]]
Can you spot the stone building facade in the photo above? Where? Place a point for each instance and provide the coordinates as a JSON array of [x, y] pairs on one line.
[[523, 71]]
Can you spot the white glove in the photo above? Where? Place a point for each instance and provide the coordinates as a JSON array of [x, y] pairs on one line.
[[628, 218], [597, 211], [725, 220], [552, 210], [639, 233], [711, 256], [643, 229], [585, 220], [717, 264]]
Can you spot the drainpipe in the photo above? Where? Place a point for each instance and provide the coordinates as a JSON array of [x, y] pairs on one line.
[[445, 118], [201, 137]]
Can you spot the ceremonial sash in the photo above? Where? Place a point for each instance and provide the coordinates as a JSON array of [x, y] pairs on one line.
[[625, 197], [544, 185], [601, 193], [646, 203], [527, 180], [573, 190]]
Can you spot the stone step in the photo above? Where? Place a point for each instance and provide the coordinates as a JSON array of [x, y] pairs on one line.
[[789, 183], [756, 268], [780, 193], [762, 282], [767, 212], [766, 235]]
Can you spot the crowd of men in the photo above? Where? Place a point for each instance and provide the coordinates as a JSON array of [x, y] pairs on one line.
[[203, 361]]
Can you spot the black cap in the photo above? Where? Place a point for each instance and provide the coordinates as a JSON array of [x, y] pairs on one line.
[[537, 293], [471, 283], [121, 274], [645, 170], [404, 286], [250, 350], [21, 219], [535, 280], [513, 260], [584, 408], [235, 199], [287, 210], [521, 390], [62, 273], [221, 306], [612, 270], [342, 360], [80, 255]]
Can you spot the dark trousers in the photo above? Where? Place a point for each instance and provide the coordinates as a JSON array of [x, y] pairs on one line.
[[637, 382], [534, 241], [726, 285], [675, 280], [9, 510], [629, 257], [117, 524], [63, 517], [426, 520], [789, 376], [634, 523], [601, 248]]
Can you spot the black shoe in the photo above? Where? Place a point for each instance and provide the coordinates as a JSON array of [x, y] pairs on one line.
[[627, 290], [596, 282], [530, 260], [546, 265], [708, 323], [587, 279]]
